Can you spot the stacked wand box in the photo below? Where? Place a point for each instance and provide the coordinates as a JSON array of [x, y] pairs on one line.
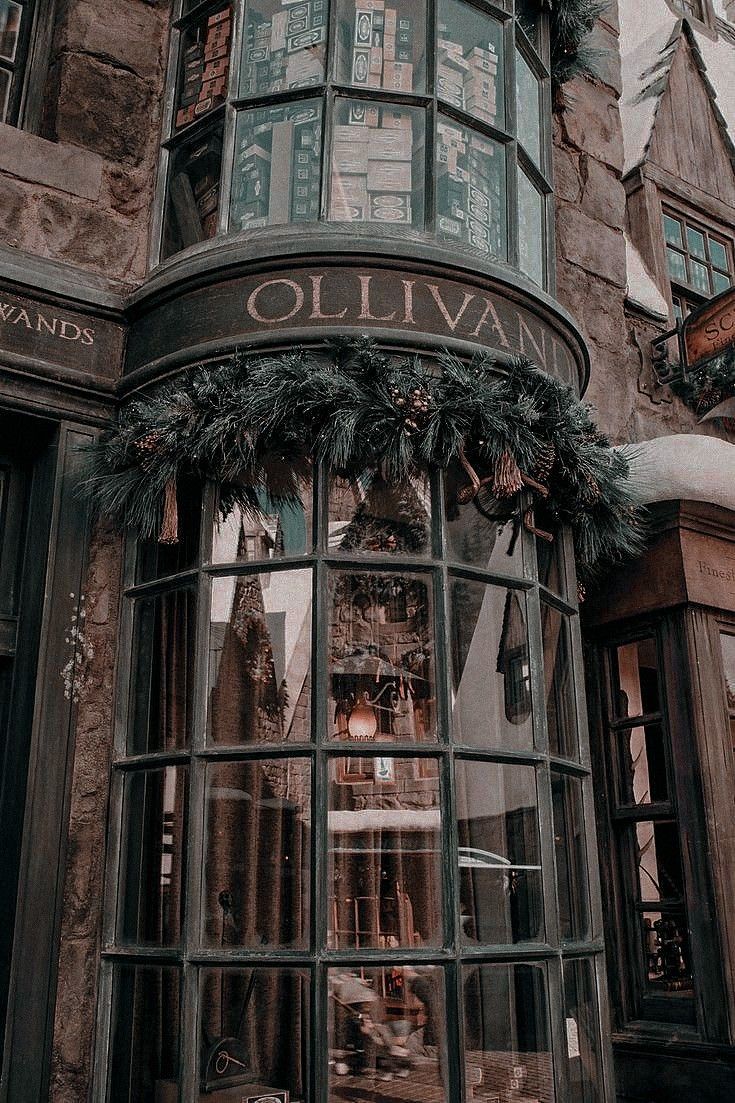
[[467, 77], [284, 49], [277, 160], [206, 65], [372, 166], [382, 47], [469, 188]]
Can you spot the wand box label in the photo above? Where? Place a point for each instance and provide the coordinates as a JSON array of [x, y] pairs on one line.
[[284, 305]]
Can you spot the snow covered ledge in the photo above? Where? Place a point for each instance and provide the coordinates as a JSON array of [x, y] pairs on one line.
[[686, 467]]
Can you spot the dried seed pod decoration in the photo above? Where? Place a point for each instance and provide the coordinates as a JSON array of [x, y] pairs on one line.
[[507, 478]]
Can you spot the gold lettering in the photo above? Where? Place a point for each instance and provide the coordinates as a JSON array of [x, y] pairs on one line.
[[496, 326], [65, 326], [87, 336], [452, 322], [316, 299], [730, 319], [252, 300], [539, 350], [6, 311], [22, 316], [408, 286], [365, 314], [41, 323]]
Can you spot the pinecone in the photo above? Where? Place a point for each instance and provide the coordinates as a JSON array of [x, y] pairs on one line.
[[545, 460], [507, 479]]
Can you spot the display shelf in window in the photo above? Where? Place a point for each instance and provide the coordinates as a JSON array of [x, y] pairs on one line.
[[377, 171], [382, 45], [469, 62], [470, 189], [284, 46], [204, 66], [277, 172], [192, 210]]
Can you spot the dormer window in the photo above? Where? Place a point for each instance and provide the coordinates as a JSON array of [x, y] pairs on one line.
[[699, 261]]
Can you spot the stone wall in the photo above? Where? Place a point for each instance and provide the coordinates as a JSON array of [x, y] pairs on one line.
[[591, 262], [81, 191], [74, 1024]]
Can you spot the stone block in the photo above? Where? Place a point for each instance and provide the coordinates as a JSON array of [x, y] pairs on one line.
[[70, 230], [607, 64], [591, 122], [597, 308], [13, 203], [123, 32], [567, 183], [105, 109], [592, 246], [603, 197], [55, 165]]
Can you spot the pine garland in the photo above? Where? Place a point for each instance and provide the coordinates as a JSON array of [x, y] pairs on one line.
[[708, 386], [257, 424], [572, 22]]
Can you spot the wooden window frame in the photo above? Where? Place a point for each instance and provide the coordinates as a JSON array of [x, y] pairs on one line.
[[685, 296], [30, 65]]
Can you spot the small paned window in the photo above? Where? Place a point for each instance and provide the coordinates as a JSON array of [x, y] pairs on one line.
[[16, 19], [699, 263], [727, 644], [647, 836], [378, 113]]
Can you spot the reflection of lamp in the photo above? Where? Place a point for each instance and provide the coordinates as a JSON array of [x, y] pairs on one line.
[[362, 722]]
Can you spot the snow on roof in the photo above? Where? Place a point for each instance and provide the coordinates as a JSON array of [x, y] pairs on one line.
[[685, 466], [641, 289], [649, 37]]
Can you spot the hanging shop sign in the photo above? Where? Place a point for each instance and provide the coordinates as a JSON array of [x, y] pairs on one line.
[[45, 332], [710, 330], [289, 303]]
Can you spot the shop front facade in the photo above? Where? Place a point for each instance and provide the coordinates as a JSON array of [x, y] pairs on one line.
[[301, 799]]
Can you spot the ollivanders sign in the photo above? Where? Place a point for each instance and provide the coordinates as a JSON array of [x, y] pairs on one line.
[[38, 331], [341, 297]]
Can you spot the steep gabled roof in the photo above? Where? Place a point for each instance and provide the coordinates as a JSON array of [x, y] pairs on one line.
[[650, 36]]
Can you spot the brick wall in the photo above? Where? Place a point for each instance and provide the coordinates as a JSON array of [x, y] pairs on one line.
[[81, 191]]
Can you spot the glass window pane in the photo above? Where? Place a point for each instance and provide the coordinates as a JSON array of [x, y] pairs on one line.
[[571, 857], [155, 560], [506, 1030], [144, 1035], [473, 533], [677, 265], [384, 853], [666, 952], [584, 1076], [695, 243], [382, 45], [528, 108], [699, 276], [387, 1024], [270, 530], [204, 66], [470, 189], [531, 236], [162, 694], [152, 862], [256, 858], [192, 204], [254, 1034], [643, 773], [283, 47], [635, 679], [469, 65], [381, 657], [528, 15], [259, 658], [491, 667], [4, 93], [727, 645], [561, 713], [549, 553], [720, 282], [276, 178], [378, 164], [718, 255], [369, 515], [10, 18], [672, 231], [658, 858], [499, 856]]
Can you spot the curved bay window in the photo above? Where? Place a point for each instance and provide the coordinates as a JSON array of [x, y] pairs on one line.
[[372, 112], [349, 852]]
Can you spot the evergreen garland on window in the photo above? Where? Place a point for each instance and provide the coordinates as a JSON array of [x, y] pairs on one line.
[[255, 425], [709, 386], [572, 22]]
